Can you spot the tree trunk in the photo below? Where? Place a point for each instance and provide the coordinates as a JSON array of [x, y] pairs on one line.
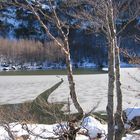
[[71, 81], [110, 105], [118, 116], [111, 70]]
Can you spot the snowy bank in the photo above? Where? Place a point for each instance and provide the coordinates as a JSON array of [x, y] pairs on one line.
[[40, 131], [90, 129], [133, 136], [131, 113]]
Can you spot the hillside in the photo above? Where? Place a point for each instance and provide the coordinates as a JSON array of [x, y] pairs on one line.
[[86, 47]]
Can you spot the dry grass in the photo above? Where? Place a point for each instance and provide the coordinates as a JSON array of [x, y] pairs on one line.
[[29, 51]]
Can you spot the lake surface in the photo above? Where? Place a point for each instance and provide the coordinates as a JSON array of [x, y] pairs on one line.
[[91, 89]]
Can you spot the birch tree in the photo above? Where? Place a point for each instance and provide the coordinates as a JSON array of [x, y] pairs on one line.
[[114, 60], [50, 15], [101, 17]]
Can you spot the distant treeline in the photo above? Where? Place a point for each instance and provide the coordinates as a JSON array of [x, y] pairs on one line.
[[83, 48], [23, 50]]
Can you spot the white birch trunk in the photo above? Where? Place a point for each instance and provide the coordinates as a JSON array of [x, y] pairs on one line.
[[111, 70], [118, 116], [110, 105], [71, 81]]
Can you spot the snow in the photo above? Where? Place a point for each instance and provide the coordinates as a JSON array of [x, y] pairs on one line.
[[46, 7], [122, 65], [89, 123], [134, 136], [10, 87], [132, 112], [88, 65], [36, 129], [138, 20], [11, 17], [126, 65], [105, 69], [94, 127], [46, 65], [85, 24], [90, 89]]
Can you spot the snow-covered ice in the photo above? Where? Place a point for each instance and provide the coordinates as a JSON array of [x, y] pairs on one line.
[[91, 89]]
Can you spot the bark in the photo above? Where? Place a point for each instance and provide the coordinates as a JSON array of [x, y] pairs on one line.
[[110, 105], [71, 134], [65, 47], [71, 81], [118, 116], [111, 70]]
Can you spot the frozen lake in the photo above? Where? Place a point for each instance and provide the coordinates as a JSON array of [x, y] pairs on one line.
[[90, 89]]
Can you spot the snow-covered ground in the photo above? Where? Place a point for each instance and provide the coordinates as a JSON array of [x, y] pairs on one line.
[[89, 130], [133, 136], [46, 65], [132, 112], [91, 89], [41, 131]]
